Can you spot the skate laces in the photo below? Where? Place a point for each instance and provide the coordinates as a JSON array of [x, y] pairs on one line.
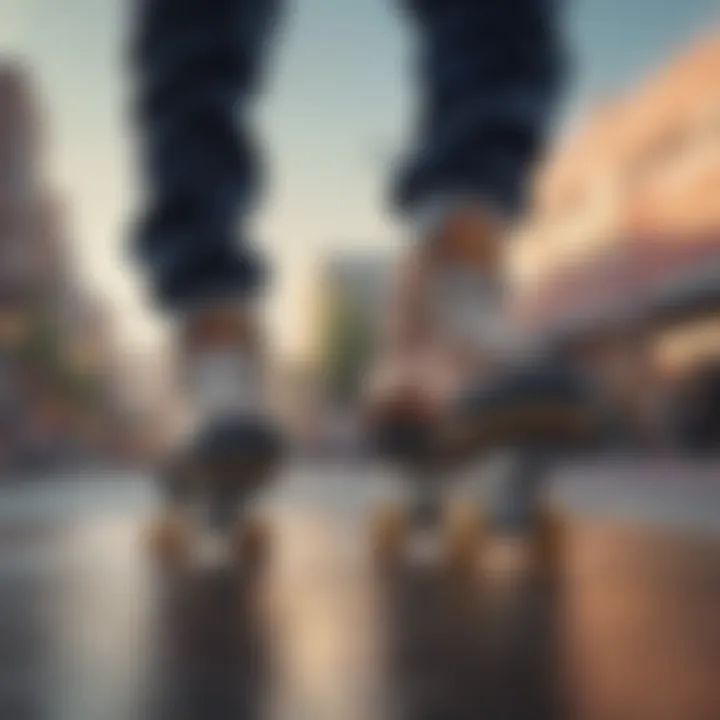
[[225, 382], [470, 309]]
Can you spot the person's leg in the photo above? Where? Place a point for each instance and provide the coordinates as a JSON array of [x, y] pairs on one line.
[[198, 66], [490, 73]]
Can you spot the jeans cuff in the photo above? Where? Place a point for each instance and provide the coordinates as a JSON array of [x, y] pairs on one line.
[[427, 217], [194, 286]]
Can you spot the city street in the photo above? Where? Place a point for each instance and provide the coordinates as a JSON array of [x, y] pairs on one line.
[[91, 629]]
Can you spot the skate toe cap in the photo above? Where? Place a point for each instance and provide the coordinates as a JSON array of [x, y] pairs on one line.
[[242, 438], [402, 438], [547, 402]]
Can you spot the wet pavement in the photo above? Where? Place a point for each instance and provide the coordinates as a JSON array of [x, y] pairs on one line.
[[91, 628]]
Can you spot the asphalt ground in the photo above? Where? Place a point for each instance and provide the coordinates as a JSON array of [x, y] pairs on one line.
[[629, 628]]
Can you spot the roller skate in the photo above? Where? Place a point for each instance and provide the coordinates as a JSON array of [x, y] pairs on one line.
[[493, 392], [210, 488], [532, 416], [422, 364], [426, 524]]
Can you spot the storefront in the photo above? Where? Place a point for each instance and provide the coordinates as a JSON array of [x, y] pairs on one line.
[[645, 320]]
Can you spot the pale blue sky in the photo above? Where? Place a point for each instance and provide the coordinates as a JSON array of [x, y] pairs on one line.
[[339, 103]]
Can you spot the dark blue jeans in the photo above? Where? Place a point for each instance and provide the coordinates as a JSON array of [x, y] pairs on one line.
[[489, 70]]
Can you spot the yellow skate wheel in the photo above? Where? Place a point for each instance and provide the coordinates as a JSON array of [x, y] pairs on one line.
[[389, 530], [169, 538], [463, 537], [251, 540], [549, 540]]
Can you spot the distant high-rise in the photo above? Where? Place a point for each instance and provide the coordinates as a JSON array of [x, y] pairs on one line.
[[352, 297], [56, 345], [19, 194]]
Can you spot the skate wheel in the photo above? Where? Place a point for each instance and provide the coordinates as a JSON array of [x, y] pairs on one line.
[[170, 537], [389, 529], [463, 537], [251, 541], [548, 542]]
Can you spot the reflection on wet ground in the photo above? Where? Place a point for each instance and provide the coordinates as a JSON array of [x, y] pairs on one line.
[[90, 629]]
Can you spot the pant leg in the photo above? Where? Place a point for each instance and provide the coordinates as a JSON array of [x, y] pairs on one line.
[[489, 74], [198, 65]]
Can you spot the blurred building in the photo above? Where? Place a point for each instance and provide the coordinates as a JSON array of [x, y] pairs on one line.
[[629, 201], [352, 301], [646, 164], [624, 231], [56, 344]]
